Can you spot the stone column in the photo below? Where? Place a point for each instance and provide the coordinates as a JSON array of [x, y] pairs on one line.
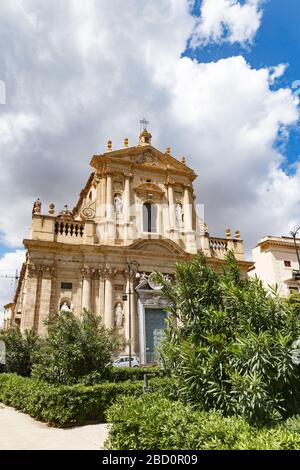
[[109, 320], [86, 288], [95, 291], [187, 208], [127, 208], [27, 317], [110, 213], [46, 287], [188, 220], [171, 207], [101, 293], [130, 287]]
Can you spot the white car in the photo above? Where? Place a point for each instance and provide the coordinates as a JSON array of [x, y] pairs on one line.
[[124, 362]]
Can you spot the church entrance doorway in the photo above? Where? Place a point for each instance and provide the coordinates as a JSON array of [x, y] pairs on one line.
[[154, 329]]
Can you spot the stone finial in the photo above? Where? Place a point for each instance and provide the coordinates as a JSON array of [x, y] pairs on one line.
[[51, 208], [145, 138], [126, 142], [237, 235], [37, 205], [183, 160], [228, 233], [65, 214], [168, 151], [109, 145]]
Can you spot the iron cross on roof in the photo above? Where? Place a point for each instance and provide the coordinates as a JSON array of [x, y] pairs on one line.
[[143, 123]]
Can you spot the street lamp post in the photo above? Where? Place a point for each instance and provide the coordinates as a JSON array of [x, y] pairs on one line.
[[296, 272], [132, 266]]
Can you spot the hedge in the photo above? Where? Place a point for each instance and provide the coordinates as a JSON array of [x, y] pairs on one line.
[[151, 422], [120, 374], [67, 404]]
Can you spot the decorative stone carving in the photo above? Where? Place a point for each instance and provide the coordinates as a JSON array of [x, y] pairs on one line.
[[86, 272], [65, 214], [153, 282], [89, 211], [119, 315], [110, 272], [33, 270], [37, 205], [156, 300], [48, 271], [147, 158]]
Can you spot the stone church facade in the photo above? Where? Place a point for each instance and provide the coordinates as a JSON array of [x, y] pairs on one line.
[[136, 215]]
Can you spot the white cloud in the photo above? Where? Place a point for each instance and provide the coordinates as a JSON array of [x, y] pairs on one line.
[[80, 74], [277, 72], [227, 21], [9, 263]]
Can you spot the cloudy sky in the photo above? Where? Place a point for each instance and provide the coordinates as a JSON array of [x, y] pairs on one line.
[[217, 79]]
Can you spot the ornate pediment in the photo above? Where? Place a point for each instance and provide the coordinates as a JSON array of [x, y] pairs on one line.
[[163, 247], [149, 190]]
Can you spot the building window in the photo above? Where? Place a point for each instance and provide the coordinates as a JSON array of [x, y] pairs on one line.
[[149, 217], [66, 285], [287, 264]]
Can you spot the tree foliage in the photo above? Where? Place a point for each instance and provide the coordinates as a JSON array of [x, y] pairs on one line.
[[75, 347], [228, 342], [20, 350]]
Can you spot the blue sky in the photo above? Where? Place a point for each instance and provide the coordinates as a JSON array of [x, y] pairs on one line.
[[86, 72], [277, 41]]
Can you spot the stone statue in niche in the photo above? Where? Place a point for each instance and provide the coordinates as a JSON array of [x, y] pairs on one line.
[[65, 308], [118, 205], [119, 315], [178, 211]]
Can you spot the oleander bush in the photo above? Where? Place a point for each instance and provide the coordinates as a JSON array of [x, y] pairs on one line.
[[228, 343], [20, 350], [151, 422], [62, 405], [75, 347]]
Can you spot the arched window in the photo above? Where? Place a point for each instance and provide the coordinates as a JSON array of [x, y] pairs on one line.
[[149, 217]]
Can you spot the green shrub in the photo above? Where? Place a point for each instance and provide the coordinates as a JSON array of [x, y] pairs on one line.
[[120, 374], [75, 347], [67, 404], [228, 343], [20, 350], [151, 422]]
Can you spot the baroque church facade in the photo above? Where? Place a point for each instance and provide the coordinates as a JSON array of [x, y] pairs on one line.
[[136, 215]]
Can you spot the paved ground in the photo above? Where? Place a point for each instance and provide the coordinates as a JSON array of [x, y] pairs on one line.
[[19, 431]]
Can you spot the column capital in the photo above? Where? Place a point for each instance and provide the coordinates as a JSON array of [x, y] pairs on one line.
[[110, 272], [48, 271], [134, 266], [108, 172], [169, 182], [33, 270], [128, 174], [86, 272]]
